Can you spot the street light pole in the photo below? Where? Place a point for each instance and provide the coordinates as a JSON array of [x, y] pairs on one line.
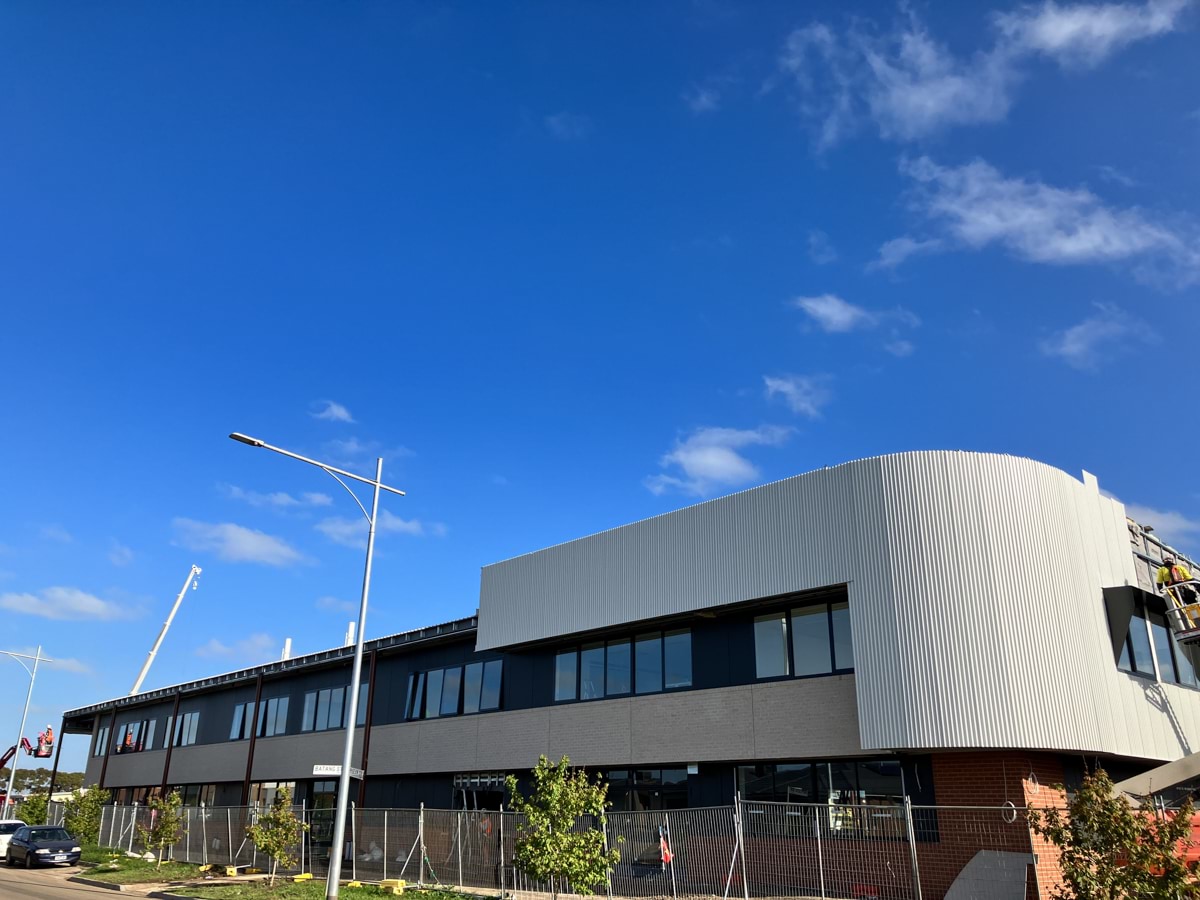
[[12, 773], [332, 884]]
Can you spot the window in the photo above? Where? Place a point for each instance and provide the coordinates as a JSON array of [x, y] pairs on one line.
[[564, 675], [644, 665], [458, 689], [185, 729], [101, 742], [262, 793], [641, 789], [873, 782], [1135, 654], [272, 717], [243, 718], [197, 794], [133, 737], [770, 646], [820, 642], [325, 710]]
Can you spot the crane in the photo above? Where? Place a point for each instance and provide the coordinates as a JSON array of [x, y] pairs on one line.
[[191, 581]]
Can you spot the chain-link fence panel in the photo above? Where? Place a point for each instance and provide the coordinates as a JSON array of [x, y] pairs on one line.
[[675, 853]]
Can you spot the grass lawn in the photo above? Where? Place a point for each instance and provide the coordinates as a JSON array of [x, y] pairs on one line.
[[134, 871]]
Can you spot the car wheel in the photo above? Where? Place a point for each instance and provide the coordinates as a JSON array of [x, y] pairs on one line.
[[8, 860], [28, 861]]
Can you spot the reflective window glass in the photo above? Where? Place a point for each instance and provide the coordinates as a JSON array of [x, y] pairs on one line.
[[810, 640], [451, 680], [564, 676], [647, 655], [1162, 649], [493, 669], [843, 646], [591, 672], [770, 646], [619, 674], [433, 694], [677, 659], [472, 682]]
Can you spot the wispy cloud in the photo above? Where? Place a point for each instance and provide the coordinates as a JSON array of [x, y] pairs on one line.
[[275, 499], [60, 663], [1113, 175], [909, 85], [332, 412], [63, 603], [353, 532], [568, 126], [702, 98], [975, 206], [235, 543], [710, 459], [834, 315], [56, 533], [352, 453], [1170, 525], [805, 395], [820, 248], [257, 648], [1100, 336], [892, 253], [119, 554], [333, 604]]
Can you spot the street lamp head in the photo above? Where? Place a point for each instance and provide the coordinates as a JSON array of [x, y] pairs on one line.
[[245, 439]]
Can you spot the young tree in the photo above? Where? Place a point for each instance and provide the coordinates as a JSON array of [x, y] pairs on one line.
[[277, 832], [81, 814], [1112, 851], [552, 843], [166, 824], [34, 809]]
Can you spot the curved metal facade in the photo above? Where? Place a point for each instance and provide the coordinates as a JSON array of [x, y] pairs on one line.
[[975, 584]]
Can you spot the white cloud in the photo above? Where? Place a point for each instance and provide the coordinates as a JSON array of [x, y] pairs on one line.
[[702, 99], [62, 664], [709, 459], [1083, 35], [56, 533], [353, 532], [256, 648], [276, 499], [1170, 526], [119, 554], [351, 453], [910, 85], [892, 253], [1085, 345], [976, 206], [333, 412], [235, 543], [804, 394], [567, 126], [1113, 175], [63, 603], [333, 604], [833, 314], [820, 248], [900, 348]]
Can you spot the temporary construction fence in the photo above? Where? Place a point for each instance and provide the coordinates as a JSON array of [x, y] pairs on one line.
[[749, 849]]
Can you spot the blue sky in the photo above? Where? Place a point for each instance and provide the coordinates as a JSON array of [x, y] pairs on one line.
[[564, 266]]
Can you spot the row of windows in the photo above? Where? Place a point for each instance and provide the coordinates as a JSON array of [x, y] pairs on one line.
[[133, 737], [185, 729], [272, 719], [458, 689], [820, 642], [326, 710], [646, 665], [872, 782], [1176, 663]]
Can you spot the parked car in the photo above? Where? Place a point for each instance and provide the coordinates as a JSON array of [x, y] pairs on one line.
[[36, 845], [7, 828]]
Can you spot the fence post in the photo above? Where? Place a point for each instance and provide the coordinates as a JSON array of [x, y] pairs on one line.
[[607, 869], [353, 841], [501, 851], [912, 847], [203, 836], [121, 829], [820, 851], [229, 828], [421, 846], [458, 842], [670, 850], [741, 839], [303, 834]]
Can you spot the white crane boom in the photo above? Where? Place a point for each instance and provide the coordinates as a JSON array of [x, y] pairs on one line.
[[167, 624]]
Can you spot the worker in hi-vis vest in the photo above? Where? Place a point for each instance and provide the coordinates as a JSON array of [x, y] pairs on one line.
[[1172, 574]]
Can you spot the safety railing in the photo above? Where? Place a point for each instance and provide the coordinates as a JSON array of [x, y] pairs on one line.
[[864, 851]]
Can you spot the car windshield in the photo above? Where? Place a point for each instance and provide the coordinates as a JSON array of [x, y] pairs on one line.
[[9, 827], [49, 834]]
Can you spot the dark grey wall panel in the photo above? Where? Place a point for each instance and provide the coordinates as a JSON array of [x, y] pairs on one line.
[[208, 763], [293, 756], [135, 769]]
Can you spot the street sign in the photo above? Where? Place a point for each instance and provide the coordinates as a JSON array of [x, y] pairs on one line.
[[337, 770]]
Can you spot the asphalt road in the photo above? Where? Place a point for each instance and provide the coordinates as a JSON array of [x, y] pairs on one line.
[[47, 884]]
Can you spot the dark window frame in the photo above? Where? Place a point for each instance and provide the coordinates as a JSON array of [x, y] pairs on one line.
[[789, 620], [630, 641], [417, 690]]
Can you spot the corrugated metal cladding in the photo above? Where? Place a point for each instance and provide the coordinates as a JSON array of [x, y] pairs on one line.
[[975, 588]]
